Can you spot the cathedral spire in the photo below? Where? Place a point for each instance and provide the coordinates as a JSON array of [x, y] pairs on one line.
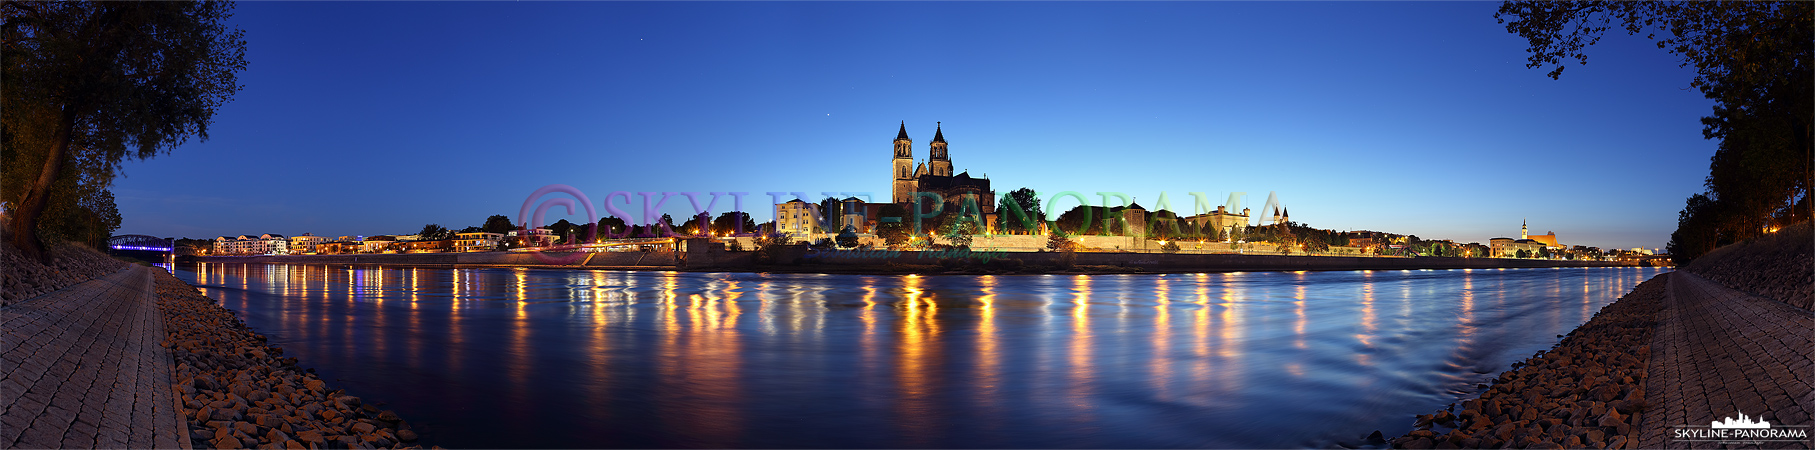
[[902, 135], [938, 134]]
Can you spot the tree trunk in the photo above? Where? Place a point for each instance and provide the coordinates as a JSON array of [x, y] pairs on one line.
[[24, 223]]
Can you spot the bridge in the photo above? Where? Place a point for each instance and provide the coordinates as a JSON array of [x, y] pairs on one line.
[[140, 246]]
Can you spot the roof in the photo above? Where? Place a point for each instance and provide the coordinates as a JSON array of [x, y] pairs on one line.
[[938, 134], [902, 135], [1133, 205]]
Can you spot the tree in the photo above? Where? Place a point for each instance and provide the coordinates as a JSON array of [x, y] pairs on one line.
[[894, 234], [1058, 241], [769, 245], [1752, 59], [848, 237], [694, 226], [1019, 212], [959, 232], [433, 232], [610, 227], [86, 84], [80, 212], [498, 224], [733, 222]]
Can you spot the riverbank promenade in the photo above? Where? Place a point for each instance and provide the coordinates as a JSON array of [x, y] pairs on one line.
[[1719, 353], [84, 368]]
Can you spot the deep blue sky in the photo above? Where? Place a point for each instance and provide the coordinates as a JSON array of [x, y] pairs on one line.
[[376, 118]]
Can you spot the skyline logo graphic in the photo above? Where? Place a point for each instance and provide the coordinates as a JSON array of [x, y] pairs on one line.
[[1743, 422]]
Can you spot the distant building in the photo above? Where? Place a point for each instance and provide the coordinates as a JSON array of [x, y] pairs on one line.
[[477, 242], [1221, 220], [376, 244], [795, 217], [1509, 247], [1549, 239], [425, 246], [264, 244], [337, 247], [534, 237], [935, 175], [306, 243]]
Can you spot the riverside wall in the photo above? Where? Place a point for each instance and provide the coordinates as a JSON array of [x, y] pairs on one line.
[[803, 259]]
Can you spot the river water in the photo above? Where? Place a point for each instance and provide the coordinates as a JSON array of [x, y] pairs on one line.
[[503, 358]]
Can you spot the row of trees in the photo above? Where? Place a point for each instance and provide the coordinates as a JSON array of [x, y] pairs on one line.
[[1752, 60]]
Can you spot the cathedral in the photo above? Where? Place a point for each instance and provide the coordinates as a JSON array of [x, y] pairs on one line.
[[935, 175]]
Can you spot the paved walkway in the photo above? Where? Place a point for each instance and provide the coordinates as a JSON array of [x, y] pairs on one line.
[[83, 368], [1720, 353]]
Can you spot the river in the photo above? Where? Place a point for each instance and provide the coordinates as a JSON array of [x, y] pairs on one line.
[[503, 358]]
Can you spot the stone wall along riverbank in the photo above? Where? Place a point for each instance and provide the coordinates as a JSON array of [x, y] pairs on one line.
[[1777, 266], [1586, 392], [239, 392]]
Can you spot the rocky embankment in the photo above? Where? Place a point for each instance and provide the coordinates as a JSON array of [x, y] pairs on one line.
[[1586, 392], [23, 278], [239, 392], [1776, 266]]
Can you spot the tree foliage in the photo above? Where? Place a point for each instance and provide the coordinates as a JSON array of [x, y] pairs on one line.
[[434, 232], [498, 224], [87, 84], [1019, 212], [733, 222], [1751, 59]]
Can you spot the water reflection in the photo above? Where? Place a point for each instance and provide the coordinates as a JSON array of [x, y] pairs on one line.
[[548, 358]]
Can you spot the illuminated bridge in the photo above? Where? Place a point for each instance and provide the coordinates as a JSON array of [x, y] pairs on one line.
[[141, 246]]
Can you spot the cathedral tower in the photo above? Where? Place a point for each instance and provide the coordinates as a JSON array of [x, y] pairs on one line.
[[941, 164], [904, 166], [1523, 234]]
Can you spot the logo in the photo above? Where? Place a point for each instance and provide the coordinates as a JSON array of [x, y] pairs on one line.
[[1743, 430], [1743, 422]]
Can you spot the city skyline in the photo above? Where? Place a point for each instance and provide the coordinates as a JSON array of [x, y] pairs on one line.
[[1404, 118]]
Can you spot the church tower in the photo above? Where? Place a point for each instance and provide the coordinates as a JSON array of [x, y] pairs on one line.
[[941, 163], [903, 166], [1523, 234]]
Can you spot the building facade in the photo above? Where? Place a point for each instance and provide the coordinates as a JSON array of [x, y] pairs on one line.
[[306, 244], [1222, 220], [264, 244], [960, 192], [477, 242]]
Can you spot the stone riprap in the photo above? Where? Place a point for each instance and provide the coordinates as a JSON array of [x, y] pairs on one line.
[[1679, 350], [84, 369], [23, 278], [1586, 392], [1777, 266], [238, 392], [1720, 353]]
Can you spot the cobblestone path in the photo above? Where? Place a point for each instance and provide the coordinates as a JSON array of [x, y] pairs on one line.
[[84, 367], [1719, 353]]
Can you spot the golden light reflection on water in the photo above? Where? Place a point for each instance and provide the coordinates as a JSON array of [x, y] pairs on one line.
[[989, 358], [1368, 324], [1200, 320], [1082, 374], [1230, 326], [1160, 365], [1298, 310], [916, 352]]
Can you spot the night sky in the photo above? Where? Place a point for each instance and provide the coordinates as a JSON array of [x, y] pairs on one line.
[[1418, 118]]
